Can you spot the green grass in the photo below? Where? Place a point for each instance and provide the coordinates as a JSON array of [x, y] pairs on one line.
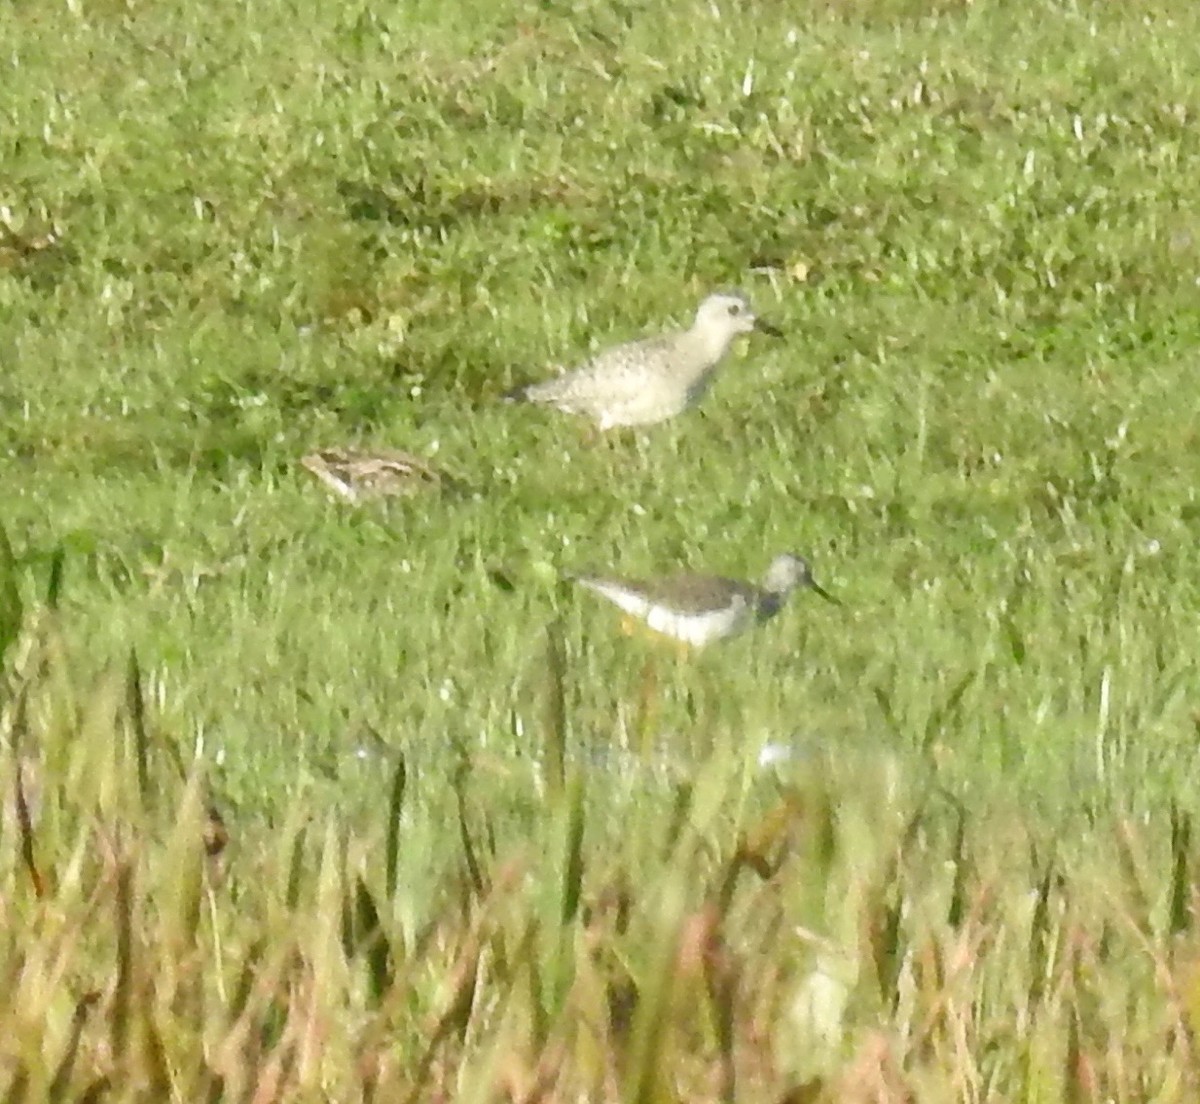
[[232, 234]]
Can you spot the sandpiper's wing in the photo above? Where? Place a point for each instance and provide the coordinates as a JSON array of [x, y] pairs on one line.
[[695, 609], [685, 593], [629, 595], [692, 594]]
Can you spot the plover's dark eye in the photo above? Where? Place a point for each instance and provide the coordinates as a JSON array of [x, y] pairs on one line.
[[735, 309]]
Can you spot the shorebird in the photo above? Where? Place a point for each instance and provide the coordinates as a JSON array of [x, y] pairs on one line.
[[698, 609], [353, 474], [649, 380]]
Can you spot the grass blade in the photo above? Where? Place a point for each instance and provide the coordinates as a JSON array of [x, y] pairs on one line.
[[12, 611], [136, 704], [296, 869], [60, 1085], [370, 936], [474, 871], [54, 583], [884, 700], [18, 1087], [1039, 935], [1142, 910], [647, 1068], [391, 854], [25, 826], [122, 1010], [572, 875], [958, 894], [947, 711], [1181, 846], [555, 725]]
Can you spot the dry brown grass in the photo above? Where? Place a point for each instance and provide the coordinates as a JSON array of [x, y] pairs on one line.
[[842, 945]]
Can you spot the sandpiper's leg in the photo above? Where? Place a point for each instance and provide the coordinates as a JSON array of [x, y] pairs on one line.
[[649, 701]]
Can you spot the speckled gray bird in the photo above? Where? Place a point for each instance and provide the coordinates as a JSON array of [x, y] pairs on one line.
[[646, 381], [698, 609]]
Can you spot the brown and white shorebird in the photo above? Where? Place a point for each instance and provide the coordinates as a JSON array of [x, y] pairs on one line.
[[355, 474], [698, 609], [652, 379]]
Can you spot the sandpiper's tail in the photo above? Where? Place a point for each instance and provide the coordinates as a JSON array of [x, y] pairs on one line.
[[626, 595], [517, 394]]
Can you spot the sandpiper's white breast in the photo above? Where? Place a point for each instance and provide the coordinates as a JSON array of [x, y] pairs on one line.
[[698, 628]]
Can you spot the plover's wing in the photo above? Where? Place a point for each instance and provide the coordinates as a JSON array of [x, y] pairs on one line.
[[612, 376], [646, 355]]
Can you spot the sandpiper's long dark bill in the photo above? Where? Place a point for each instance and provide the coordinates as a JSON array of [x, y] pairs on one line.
[[647, 381], [698, 609]]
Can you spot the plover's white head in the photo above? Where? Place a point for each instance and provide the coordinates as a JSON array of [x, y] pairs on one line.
[[729, 313]]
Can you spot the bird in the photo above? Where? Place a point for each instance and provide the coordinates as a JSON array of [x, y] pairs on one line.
[[699, 609], [355, 474], [649, 380]]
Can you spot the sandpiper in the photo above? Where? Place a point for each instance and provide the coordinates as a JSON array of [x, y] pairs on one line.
[[354, 475], [698, 609], [652, 379]]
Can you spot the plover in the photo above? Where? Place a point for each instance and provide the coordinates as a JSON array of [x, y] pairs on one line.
[[646, 381]]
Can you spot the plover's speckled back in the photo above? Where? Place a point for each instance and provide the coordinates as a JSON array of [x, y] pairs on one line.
[[655, 378], [698, 609]]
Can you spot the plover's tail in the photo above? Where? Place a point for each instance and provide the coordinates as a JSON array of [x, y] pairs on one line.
[[517, 394]]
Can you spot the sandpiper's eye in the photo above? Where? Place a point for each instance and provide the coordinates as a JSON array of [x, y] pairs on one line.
[[735, 309]]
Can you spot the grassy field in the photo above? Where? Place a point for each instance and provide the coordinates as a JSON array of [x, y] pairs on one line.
[[482, 846]]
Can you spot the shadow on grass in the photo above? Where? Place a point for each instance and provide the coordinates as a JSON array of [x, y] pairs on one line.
[[415, 200]]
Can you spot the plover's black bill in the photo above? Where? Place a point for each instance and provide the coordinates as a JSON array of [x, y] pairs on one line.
[[769, 328]]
